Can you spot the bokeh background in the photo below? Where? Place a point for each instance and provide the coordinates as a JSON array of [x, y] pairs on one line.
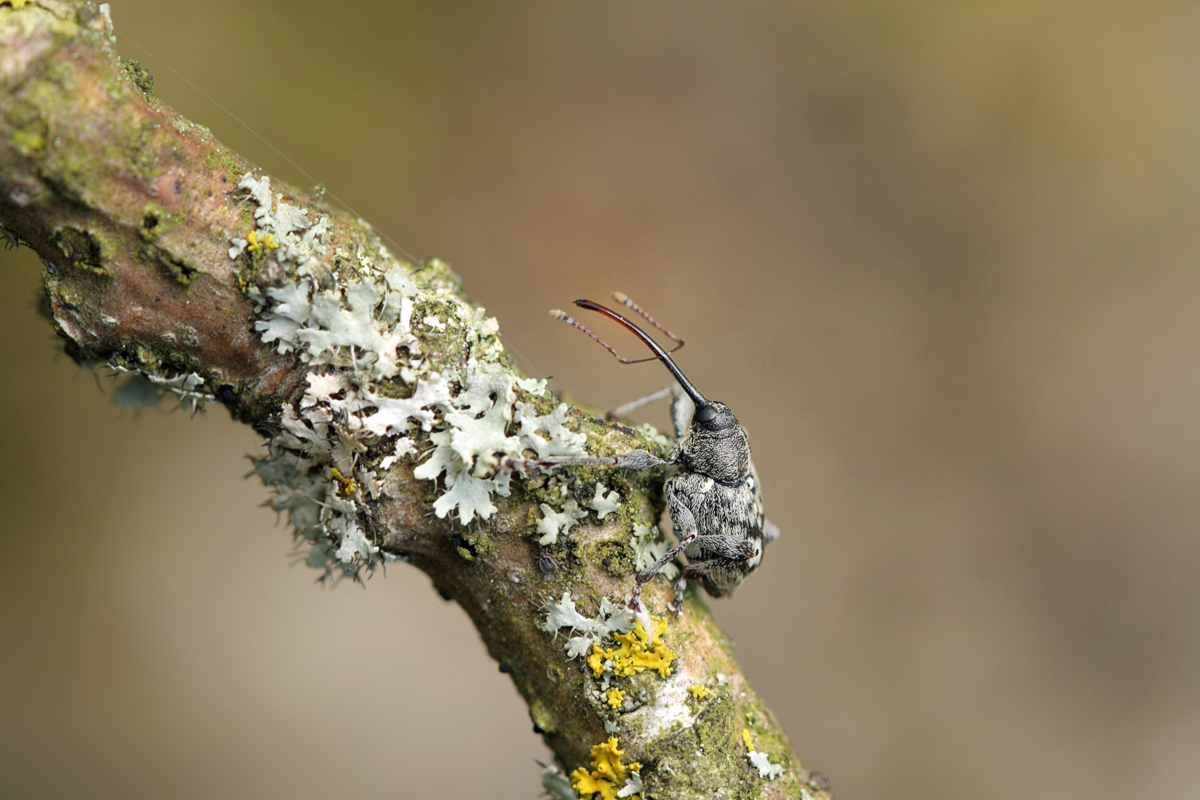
[[942, 260]]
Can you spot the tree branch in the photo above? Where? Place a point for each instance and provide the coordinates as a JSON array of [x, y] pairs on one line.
[[395, 422]]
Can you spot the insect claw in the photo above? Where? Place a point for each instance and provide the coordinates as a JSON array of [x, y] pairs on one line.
[[635, 600], [676, 604]]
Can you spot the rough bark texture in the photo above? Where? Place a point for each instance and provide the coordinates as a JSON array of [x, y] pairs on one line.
[[132, 210]]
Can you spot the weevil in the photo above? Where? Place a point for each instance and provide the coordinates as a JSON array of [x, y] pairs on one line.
[[714, 498]]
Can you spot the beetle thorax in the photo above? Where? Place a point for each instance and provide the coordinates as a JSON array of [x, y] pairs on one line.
[[723, 456]]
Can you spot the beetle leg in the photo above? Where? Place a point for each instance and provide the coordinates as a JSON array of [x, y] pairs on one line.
[[634, 459], [685, 523], [676, 604], [682, 408], [633, 405], [701, 568]]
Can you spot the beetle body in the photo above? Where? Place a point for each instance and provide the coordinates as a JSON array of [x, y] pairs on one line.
[[714, 498], [716, 493]]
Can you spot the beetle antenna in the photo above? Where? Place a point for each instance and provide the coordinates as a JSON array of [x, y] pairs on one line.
[[659, 353], [567, 318], [624, 300]]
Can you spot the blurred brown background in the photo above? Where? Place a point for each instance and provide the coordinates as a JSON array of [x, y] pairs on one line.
[[941, 258]]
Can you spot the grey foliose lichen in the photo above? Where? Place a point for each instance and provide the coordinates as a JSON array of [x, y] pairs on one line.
[[382, 389]]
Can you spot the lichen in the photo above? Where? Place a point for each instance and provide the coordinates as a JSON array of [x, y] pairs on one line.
[[148, 383], [759, 759], [556, 785], [649, 546], [637, 652], [612, 619], [604, 504], [608, 777], [541, 715], [554, 522], [373, 394]]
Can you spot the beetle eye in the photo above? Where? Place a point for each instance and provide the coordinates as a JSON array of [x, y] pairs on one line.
[[705, 414]]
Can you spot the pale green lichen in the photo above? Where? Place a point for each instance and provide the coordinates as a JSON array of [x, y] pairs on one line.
[[373, 392], [553, 523], [759, 759], [476, 450], [288, 227], [604, 504], [556, 785], [612, 618], [649, 545], [146, 386]]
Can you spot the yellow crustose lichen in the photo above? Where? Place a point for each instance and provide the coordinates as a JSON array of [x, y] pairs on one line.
[[614, 697], [638, 652], [607, 776], [699, 691]]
